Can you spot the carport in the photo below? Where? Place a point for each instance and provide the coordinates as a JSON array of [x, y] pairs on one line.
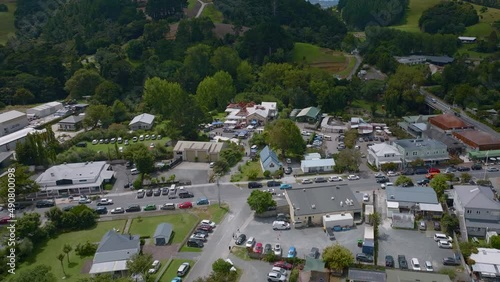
[[162, 234], [431, 210]]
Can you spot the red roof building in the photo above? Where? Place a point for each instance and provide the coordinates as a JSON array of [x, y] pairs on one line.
[[449, 122], [478, 139]]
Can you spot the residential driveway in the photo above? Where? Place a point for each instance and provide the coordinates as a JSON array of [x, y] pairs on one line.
[[122, 177], [196, 172], [412, 244]]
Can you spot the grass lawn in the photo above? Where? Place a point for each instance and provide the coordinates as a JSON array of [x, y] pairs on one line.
[[171, 271], [219, 116], [245, 170], [351, 64], [104, 147], [182, 222], [7, 28], [192, 3], [332, 61], [483, 28], [211, 12], [47, 253], [240, 252], [415, 10]]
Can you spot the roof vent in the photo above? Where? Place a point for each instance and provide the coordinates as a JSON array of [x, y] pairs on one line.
[[332, 198], [313, 206], [342, 214], [327, 215], [341, 203], [338, 187], [304, 190], [392, 197]]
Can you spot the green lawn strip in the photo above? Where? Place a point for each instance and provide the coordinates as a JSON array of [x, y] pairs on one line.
[[47, 252], [182, 223], [470, 49], [185, 248], [171, 271], [240, 252], [350, 66], [7, 28], [250, 166], [217, 214], [415, 10], [212, 12], [219, 116]]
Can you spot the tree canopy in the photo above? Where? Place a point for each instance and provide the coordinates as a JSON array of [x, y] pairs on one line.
[[360, 13], [337, 257], [260, 201], [448, 17], [284, 135]]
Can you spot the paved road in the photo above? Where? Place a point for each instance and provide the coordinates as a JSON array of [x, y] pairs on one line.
[[203, 4], [356, 66], [446, 108]]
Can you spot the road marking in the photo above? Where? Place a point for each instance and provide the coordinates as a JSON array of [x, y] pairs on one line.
[[230, 217]]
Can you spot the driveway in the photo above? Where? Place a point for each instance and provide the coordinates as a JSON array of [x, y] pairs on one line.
[[196, 172]]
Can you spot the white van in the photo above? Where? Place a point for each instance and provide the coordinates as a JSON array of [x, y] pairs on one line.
[[134, 171], [281, 225], [442, 237]]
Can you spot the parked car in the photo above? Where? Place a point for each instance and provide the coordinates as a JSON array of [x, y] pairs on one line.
[[279, 270], [117, 210], [185, 205], [434, 170], [149, 192], [275, 277], [437, 226], [154, 267], [492, 169], [415, 264], [389, 261], [241, 239], [104, 202], [292, 252], [382, 180], [352, 177], [476, 167], [366, 197], [157, 192], [335, 178], [140, 194], [133, 208], [314, 253], [285, 186], [101, 210], [428, 266], [423, 182], [150, 207], [450, 170], [408, 171], [403, 264], [387, 184], [450, 261], [45, 204], [392, 173], [183, 269], [208, 222], [288, 170], [205, 228], [283, 264], [253, 184], [420, 171], [306, 181], [380, 175], [258, 248], [198, 236], [422, 225], [320, 180], [277, 250], [185, 194], [250, 242], [202, 201], [364, 258], [273, 183], [444, 244], [463, 168], [168, 206]]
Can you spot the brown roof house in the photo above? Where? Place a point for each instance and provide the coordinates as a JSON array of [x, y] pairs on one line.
[[449, 122], [478, 140]]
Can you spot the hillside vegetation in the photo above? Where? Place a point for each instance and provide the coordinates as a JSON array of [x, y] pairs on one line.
[[415, 10], [360, 13], [7, 28], [448, 17]]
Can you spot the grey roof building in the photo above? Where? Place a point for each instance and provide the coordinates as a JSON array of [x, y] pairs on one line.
[[406, 199], [429, 150], [12, 121], [162, 234], [478, 206], [308, 205], [269, 160], [71, 123], [113, 252], [362, 275], [142, 121]]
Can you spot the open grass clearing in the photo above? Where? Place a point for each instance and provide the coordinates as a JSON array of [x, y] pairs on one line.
[[171, 271], [332, 61], [212, 12], [182, 223], [192, 3], [7, 28], [247, 169], [47, 252], [413, 13], [483, 28]]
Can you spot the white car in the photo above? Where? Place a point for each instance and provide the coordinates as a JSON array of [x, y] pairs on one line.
[[415, 264], [208, 222], [275, 277], [154, 267], [134, 139], [492, 169], [288, 161], [84, 200], [366, 197], [94, 142], [383, 185], [105, 202], [279, 270], [392, 173], [306, 181], [443, 244], [335, 178], [305, 133], [211, 165], [428, 266], [277, 250], [117, 210], [352, 177], [250, 242]]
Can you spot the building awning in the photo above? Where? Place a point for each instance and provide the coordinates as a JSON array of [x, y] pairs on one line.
[[431, 207], [490, 270], [108, 174], [110, 266], [393, 205]]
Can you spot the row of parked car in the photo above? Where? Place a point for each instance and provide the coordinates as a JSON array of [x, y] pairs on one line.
[[165, 191], [200, 235], [120, 140]]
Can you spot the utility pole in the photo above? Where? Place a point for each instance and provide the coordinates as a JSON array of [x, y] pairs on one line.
[[218, 189]]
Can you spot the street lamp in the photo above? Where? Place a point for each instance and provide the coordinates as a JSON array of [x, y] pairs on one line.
[[218, 188]]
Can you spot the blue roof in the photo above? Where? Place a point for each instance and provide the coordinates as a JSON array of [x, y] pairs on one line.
[[268, 157]]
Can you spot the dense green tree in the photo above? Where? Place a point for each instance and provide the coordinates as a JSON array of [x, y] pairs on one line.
[[495, 242], [439, 184], [155, 31], [337, 257], [448, 17], [83, 83], [226, 59], [24, 184], [402, 94], [140, 263], [404, 181], [97, 115], [66, 249], [107, 92], [216, 92], [348, 159], [221, 266], [28, 226], [449, 223], [244, 75], [284, 135], [135, 48], [360, 13], [39, 273], [119, 111], [39, 148], [23, 96], [260, 201], [196, 66], [163, 9]]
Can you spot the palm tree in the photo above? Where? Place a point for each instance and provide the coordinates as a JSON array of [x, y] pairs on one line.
[[60, 257], [66, 249]]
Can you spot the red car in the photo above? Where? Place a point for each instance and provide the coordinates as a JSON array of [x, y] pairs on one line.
[[433, 169], [258, 248], [4, 219], [185, 205], [207, 228], [283, 264]]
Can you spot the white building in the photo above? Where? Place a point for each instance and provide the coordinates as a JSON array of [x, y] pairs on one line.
[[487, 264], [44, 110], [75, 178], [314, 163], [383, 153], [142, 121], [12, 121], [250, 113], [9, 142]]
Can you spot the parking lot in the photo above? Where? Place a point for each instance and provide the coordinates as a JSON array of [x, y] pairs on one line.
[[196, 172], [410, 243], [302, 239]]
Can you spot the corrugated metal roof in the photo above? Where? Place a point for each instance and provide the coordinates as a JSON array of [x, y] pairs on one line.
[[10, 115], [425, 195]]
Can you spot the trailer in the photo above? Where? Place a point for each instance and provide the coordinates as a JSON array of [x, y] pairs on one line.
[[369, 240], [343, 220]]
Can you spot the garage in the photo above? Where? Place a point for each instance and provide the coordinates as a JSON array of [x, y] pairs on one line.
[[162, 234]]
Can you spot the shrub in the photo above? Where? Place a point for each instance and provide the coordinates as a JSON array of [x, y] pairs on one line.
[[87, 249], [270, 257], [4, 8], [294, 275], [267, 173]]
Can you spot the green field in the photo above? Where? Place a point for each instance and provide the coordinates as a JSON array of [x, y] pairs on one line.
[[182, 223], [171, 271], [47, 253], [332, 61], [211, 12], [415, 10], [7, 28], [192, 3], [483, 28]]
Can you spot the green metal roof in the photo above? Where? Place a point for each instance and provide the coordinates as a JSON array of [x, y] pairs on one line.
[[484, 154], [311, 112]]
